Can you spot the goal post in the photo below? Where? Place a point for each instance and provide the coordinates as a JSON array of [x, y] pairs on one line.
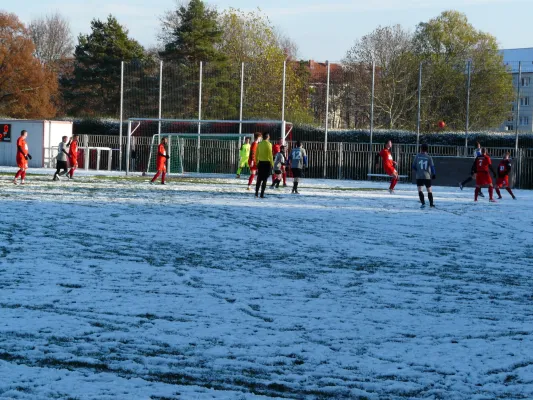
[[201, 146]]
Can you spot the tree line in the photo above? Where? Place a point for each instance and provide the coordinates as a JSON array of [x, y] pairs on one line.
[[44, 74]]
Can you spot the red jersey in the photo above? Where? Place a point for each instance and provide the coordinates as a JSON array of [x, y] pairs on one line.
[[73, 150], [504, 168], [21, 143], [483, 163], [161, 160], [386, 155], [253, 150]]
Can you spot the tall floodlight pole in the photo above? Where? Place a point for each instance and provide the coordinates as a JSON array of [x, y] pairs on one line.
[[199, 119], [121, 114], [518, 103], [419, 106], [283, 102], [372, 116], [241, 102], [160, 101], [327, 121], [467, 123]]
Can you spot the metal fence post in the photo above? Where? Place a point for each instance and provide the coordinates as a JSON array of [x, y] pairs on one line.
[[282, 133], [326, 122], [467, 106], [199, 119], [160, 100], [128, 149], [518, 102], [419, 106], [340, 150], [372, 116], [121, 113]]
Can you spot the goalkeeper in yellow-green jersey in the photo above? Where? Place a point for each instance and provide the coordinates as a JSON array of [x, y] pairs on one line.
[[244, 153]]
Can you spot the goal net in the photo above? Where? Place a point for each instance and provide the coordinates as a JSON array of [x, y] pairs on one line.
[[197, 146]]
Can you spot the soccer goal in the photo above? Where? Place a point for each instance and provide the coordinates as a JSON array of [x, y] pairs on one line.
[[199, 146]]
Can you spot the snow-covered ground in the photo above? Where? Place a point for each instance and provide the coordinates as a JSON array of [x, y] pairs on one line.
[[111, 288]]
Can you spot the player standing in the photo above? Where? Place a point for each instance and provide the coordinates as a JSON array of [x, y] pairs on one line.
[[483, 164], [477, 153], [244, 154], [73, 155], [61, 158], [389, 165], [425, 172], [297, 162], [161, 162], [22, 157], [279, 163], [252, 164], [265, 162], [504, 169]]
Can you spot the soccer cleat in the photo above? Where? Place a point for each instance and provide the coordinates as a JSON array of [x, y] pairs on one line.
[[284, 185], [500, 197], [492, 200], [514, 197], [461, 186], [481, 194], [163, 183], [56, 178], [249, 188], [22, 182], [391, 191], [15, 182], [238, 176], [423, 206], [432, 206]]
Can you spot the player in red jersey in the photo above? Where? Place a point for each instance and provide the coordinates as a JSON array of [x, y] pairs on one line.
[[389, 165], [252, 163], [483, 164], [73, 155], [161, 161], [504, 169], [22, 157]]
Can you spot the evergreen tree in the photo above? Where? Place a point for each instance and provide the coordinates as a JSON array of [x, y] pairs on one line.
[[93, 89]]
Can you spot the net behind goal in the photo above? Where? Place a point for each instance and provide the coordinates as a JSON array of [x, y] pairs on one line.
[[200, 146]]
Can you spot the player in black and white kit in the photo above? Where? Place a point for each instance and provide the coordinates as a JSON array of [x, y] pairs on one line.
[[297, 162], [472, 177], [425, 172], [61, 158]]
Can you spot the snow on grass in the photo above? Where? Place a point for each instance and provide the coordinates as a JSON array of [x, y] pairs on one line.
[[112, 288]]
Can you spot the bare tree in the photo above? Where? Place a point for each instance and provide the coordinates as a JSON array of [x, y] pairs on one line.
[[52, 38], [391, 48]]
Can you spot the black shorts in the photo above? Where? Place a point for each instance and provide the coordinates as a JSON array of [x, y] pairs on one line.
[[423, 182], [297, 172], [61, 165], [277, 171]]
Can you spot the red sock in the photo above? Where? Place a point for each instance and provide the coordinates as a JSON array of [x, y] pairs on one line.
[[284, 177], [23, 175], [163, 177], [393, 183], [156, 176], [510, 191], [71, 173], [498, 192], [251, 179], [476, 193], [274, 177], [491, 192], [19, 172]]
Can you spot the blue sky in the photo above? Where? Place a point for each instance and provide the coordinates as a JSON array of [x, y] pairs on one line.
[[322, 30]]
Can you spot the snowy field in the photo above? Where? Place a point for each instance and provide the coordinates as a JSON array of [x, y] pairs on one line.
[[111, 288]]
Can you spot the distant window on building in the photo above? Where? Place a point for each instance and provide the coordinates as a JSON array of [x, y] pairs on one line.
[[509, 128], [524, 121], [524, 101], [526, 81], [510, 118]]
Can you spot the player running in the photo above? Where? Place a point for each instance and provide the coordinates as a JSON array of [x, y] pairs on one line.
[[504, 169], [161, 162], [265, 162], [483, 164], [244, 154], [61, 158], [73, 156], [252, 164], [425, 172], [22, 157], [297, 162], [389, 165], [279, 164], [477, 153]]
